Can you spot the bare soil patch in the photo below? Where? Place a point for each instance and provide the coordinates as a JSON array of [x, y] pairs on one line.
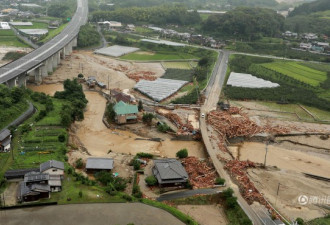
[[292, 185], [205, 214], [105, 69]]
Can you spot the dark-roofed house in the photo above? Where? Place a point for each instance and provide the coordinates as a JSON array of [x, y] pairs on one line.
[[169, 172], [99, 164], [19, 174], [33, 192], [125, 113], [52, 167], [5, 140], [36, 178]]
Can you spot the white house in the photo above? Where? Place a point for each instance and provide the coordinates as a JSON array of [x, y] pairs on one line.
[[4, 26], [305, 46], [111, 24]]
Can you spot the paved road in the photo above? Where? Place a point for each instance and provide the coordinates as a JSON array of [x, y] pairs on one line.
[[213, 92], [189, 193], [89, 214], [31, 60]]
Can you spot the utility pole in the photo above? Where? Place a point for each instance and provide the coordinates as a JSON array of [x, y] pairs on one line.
[[267, 142], [278, 190]]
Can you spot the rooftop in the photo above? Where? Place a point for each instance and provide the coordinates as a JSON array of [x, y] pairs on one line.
[[4, 134], [169, 171], [51, 164], [99, 163], [121, 108]]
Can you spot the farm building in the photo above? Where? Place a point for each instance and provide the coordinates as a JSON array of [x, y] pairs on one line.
[[99, 164], [52, 167], [125, 113], [169, 172], [34, 192], [5, 140], [19, 174], [117, 96], [4, 26]]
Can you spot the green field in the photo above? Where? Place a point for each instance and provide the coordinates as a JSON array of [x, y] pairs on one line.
[[179, 74], [36, 25], [8, 38], [159, 56], [178, 65], [53, 33], [298, 71]]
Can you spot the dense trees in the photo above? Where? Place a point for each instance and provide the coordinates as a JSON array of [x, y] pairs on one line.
[[88, 36], [59, 11], [74, 94], [245, 23], [161, 15], [311, 7], [253, 3]]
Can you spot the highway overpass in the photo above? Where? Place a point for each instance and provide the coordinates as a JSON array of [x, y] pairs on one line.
[[43, 60]]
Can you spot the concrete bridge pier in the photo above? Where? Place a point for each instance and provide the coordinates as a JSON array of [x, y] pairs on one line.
[[58, 56], [22, 80], [49, 65], [62, 53], [75, 42], [12, 82], [54, 60]]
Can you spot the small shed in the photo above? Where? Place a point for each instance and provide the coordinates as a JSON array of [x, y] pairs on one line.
[[125, 113], [5, 140], [99, 164], [169, 172]]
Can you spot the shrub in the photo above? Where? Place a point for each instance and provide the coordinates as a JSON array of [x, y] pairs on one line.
[[80, 75], [61, 138], [79, 163], [66, 158], [136, 165], [151, 180], [300, 221], [80, 194], [137, 191], [220, 181], [183, 153], [140, 106], [163, 127], [127, 197], [145, 155], [70, 170], [147, 118]]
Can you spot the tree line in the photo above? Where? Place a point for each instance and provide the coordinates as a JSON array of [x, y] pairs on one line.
[[160, 15], [245, 23]]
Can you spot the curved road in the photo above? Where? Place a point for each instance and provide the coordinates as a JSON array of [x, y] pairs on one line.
[[89, 214], [36, 57]]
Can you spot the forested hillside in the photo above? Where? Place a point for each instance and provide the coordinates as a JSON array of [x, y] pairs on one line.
[[245, 23], [308, 8], [253, 3], [161, 15], [310, 17]]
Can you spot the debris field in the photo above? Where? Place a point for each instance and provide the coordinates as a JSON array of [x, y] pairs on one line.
[[201, 175]]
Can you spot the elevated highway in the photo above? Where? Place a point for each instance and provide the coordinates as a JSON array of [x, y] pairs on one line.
[[43, 60]]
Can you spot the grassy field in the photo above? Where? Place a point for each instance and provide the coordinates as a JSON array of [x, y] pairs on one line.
[[159, 56], [320, 221], [178, 65], [204, 16], [36, 25], [71, 189], [8, 38], [178, 74], [299, 72], [54, 32], [10, 114]]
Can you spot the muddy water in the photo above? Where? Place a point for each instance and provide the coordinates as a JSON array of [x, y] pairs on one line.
[[99, 140], [48, 89], [285, 159]]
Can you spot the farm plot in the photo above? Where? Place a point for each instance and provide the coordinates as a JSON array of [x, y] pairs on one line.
[[179, 74], [178, 65], [8, 38], [297, 71], [159, 56]]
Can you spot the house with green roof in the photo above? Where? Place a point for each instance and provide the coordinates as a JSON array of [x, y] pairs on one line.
[[125, 113]]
